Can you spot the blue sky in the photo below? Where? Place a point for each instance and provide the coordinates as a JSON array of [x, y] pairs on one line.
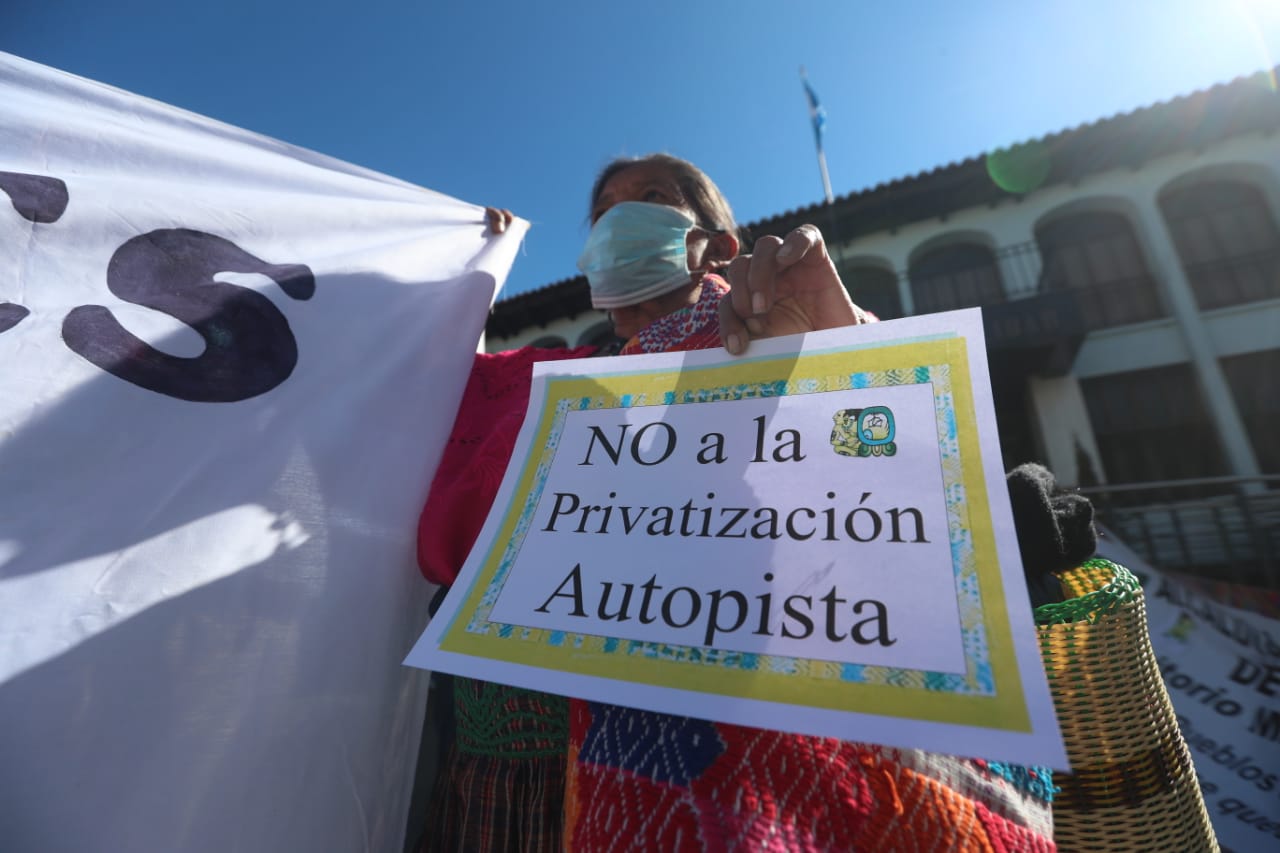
[[519, 104]]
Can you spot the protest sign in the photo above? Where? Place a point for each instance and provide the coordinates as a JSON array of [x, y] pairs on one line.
[[815, 537], [228, 367], [1221, 666]]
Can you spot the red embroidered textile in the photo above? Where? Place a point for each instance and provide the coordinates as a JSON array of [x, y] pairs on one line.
[[500, 785], [475, 456]]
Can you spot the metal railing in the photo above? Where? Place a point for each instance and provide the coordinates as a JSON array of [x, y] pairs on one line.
[[1220, 528], [1017, 272], [1233, 281]]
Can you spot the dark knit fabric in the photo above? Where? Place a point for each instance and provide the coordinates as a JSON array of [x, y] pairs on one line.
[[1055, 529]]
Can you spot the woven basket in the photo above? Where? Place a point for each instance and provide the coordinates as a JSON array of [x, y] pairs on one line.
[[1133, 787]]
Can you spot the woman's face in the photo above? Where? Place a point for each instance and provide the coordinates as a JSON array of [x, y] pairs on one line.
[[653, 183], [650, 182]]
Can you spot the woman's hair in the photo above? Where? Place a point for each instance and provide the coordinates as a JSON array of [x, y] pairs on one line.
[[703, 196]]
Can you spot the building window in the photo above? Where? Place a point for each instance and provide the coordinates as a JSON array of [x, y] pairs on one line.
[[1096, 256], [874, 289], [1019, 439], [1153, 425], [1227, 241], [1252, 378], [964, 275]]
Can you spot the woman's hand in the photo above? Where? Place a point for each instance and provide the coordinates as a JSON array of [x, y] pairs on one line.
[[497, 218], [784, 287]]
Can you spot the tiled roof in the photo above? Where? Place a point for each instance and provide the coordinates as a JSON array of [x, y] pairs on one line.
[[1191, 122]]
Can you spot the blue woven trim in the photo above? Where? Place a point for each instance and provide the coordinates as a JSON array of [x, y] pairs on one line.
[[1036, 781]]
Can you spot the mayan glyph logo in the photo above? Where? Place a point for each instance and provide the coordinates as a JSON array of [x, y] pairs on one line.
[[864, 432]]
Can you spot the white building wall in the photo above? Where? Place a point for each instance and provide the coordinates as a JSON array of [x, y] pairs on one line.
[[1186, 335]]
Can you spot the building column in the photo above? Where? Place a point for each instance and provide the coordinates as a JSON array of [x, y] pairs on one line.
[[898, 259], [904, 294], [1067, 435], [1176, 290]]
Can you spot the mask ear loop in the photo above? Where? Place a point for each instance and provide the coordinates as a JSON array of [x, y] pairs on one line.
[[719, 265]]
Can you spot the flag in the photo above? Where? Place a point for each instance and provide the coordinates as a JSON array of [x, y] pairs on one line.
[[817, 114]]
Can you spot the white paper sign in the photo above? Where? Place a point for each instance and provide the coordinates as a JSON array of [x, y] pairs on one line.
[[227, 370], [815, 537]]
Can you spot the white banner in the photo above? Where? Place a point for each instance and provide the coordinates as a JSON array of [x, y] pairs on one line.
[[1221, 666], [227, 370]]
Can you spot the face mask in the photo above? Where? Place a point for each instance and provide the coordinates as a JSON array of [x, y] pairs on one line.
[[636, 251]]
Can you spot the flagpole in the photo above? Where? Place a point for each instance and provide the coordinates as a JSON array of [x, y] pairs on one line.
[[826, 179]]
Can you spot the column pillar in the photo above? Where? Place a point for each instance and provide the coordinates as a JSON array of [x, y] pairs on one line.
[[1176, 290], [1063, 421]]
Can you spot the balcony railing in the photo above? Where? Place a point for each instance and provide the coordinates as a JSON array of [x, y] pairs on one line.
[[1234, 281], [1018, 274], [1222, 528]]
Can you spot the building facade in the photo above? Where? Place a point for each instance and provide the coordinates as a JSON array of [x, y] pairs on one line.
[[1129, 276]]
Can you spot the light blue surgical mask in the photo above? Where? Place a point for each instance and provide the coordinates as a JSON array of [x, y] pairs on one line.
[[636, 251]]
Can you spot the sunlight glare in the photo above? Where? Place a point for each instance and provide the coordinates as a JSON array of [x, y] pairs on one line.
[[1261, 17]]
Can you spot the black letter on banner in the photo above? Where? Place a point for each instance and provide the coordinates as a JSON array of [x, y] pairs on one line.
[[249, 347], [37, 198], [11, 315]]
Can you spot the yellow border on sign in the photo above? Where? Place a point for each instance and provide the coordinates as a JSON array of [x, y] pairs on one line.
[[1005, 710]]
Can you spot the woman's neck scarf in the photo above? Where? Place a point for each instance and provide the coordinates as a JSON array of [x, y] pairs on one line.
[[695, 326]]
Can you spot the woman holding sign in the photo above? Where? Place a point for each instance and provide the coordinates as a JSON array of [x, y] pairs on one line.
[[663, 260]]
